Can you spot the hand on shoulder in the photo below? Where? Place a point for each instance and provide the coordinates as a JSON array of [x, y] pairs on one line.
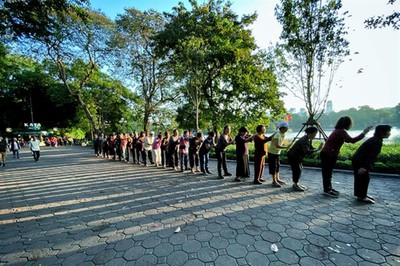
[[367, 129]]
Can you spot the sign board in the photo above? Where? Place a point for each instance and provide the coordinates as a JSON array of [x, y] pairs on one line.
[[33, 126]]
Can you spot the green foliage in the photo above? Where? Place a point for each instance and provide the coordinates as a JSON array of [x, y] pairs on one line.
[[37, 19], [27, 92], [138, 64], [211, 49], [75, 133]]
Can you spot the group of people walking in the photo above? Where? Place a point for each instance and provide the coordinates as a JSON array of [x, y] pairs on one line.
[[191, 152], [15, 146]]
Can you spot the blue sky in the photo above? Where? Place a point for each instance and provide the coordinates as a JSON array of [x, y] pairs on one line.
[[376, 51]]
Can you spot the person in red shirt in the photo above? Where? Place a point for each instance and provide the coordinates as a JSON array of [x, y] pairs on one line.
[[330, 152]]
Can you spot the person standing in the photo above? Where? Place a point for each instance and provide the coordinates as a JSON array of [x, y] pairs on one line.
[[3, 151], [274, 151], [331, 150], [204, 153], [173, 149], [298, 151], [140, 147], [260, 150], [157, 149], [363, 161], [105, 147], [96, 145], [184, 150], [123, 143], [224, 140], [34, 145], [148, 146], [164, 149], [242, 140], [135, 153], [15, 147], [194, 147]]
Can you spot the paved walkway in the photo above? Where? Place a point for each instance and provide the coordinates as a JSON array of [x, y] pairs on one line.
[[72, 208]]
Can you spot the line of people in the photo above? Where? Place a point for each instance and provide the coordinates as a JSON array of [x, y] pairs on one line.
[[191, 152]]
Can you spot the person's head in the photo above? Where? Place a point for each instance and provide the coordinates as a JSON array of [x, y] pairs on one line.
[[211, 134], [345, 122], [260, 129], [283, 126], [199, 135], [166, 134], [175, 132], [382, 131], [243, 131], [227, 130], [186, 133], [311, 132], [159, 136], [142, 134], [151, 133]]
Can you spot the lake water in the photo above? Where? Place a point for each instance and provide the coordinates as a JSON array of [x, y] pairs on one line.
[[394, 136]]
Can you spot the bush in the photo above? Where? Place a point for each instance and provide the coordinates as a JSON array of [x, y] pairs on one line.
[[388, 160]]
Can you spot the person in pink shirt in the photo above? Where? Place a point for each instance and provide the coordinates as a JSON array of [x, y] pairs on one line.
[[157, 149], [330, 151]]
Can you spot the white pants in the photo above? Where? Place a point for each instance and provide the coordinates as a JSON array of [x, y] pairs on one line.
[[157, 156]]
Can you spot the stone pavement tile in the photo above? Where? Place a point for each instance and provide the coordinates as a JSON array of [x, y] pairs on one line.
[[104, 257], [74, 259], [109, 213]]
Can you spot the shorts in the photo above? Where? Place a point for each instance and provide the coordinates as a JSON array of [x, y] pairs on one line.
[[274, 163]]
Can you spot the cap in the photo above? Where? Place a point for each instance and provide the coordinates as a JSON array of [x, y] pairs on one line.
[[283, 124], [151, 132]]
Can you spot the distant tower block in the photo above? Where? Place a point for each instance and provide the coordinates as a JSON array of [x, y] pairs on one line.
[[329, 107]]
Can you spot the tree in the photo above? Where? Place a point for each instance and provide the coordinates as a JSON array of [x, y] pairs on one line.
[[392, 20], [138, 63], [213, 54], [36, 18], [29, 94], [76, 48], [312, 48]]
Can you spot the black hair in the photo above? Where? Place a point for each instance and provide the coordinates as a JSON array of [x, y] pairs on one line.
[[382, 130], [259, 128], [243, 129], [211, 133], [311, 130], [345, 122], [225, 128]]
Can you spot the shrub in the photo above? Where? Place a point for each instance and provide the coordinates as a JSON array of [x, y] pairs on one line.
[[388, 160]]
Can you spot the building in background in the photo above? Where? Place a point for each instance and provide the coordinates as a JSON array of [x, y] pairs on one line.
[[329, 107]]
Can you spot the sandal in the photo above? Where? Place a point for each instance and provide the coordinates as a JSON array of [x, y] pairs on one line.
[[371, 198], [366, 200]]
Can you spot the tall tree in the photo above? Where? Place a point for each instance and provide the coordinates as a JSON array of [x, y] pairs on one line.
[[212, 51], [29, 94], [76, 47], [311, 50], [138, 63]]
